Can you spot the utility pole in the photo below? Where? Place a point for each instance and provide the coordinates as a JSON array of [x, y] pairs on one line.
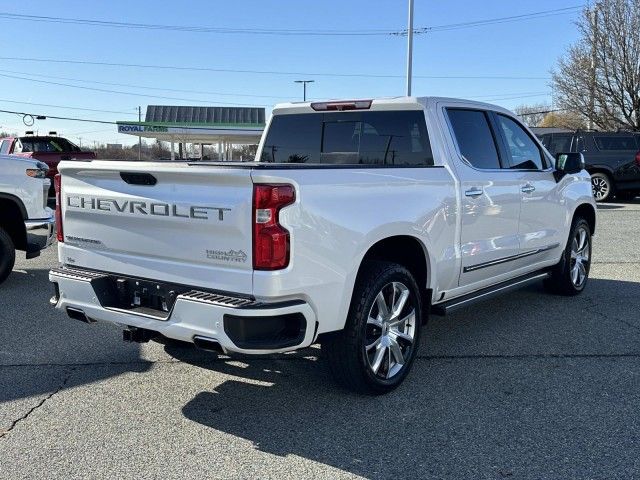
[[409, 48], [139, 136], [304, 87]]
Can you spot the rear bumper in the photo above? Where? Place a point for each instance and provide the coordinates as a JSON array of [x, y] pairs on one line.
[[250, 328], [39, 235]]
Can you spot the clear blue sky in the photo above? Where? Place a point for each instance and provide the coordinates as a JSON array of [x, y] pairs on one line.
[[526, 48]]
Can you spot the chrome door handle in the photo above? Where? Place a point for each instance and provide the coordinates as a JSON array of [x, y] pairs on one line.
[[528, 188], [473, 192]]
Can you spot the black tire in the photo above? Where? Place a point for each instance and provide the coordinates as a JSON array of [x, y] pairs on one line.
[[7, 255], [563, 279], [351, 363], [602, 187]]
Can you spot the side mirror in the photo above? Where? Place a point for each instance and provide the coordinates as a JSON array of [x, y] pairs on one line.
[[568, 163]]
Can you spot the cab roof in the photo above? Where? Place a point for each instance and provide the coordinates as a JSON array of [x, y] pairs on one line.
[[378, 104]]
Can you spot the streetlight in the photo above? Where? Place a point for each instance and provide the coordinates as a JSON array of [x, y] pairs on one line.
[[304, 87]]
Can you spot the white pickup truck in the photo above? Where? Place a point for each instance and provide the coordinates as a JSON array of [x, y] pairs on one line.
[[356, 220], [25, 221]]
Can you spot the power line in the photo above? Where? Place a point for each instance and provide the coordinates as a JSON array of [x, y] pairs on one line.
[[59, 118], [66, 107], [282, 32], [104, 90], [267, 72], [488, 97], [494, 21], [187, 28], [514, 94], [145, 87], [498, 98]]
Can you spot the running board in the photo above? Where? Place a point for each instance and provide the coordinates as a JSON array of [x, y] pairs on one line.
[[454, 304]]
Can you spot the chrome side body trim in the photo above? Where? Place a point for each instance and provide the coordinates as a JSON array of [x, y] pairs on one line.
[[510, 258]]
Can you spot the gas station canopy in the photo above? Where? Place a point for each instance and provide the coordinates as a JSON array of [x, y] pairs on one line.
[[221, 126]]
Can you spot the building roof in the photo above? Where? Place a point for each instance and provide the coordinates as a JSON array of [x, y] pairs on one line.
[[189, 124], [205, 115]]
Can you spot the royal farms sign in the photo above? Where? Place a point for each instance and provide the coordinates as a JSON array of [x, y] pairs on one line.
[[124, 128]]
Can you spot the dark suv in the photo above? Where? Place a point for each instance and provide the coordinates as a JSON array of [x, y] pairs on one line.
[[612, 159]]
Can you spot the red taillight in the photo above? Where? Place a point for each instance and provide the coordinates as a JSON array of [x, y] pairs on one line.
[[342, 105], [270, 239], [57, 185], [638, 159]]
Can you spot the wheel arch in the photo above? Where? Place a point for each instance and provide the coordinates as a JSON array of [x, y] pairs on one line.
[[408, 251], [13, 216], [599, 168], [16, 201], [586, 211]]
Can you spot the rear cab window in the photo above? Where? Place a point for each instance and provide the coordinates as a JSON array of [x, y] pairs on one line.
[[4, 146], [375, 138]]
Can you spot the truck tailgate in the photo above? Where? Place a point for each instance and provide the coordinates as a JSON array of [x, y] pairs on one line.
[[171, 222]]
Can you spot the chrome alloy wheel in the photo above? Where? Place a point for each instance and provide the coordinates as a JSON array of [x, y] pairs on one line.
[[391, 330], [580, 255], [600, 187]]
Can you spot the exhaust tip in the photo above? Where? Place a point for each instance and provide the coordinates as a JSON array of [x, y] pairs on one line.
[[209, 344], [78, 314]]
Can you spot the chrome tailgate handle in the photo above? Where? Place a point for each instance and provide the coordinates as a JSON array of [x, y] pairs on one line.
[[473, 192]]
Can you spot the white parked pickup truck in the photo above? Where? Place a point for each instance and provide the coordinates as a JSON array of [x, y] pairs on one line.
[[25, 221], [356, 220]]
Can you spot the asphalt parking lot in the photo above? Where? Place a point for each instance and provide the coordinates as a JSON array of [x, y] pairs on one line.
[[526, 386]]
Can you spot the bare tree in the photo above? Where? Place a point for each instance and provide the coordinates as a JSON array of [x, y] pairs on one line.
[[247, 152], [533, 114], [599, 77], [569, 120], [160, 150]]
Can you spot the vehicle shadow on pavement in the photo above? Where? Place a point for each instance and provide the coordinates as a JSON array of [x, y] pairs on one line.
[[507, 404], [290, 405], [41, 348]]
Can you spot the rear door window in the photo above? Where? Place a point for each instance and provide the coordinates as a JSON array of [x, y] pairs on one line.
[[394, 138], [474, 137], [616, 142]]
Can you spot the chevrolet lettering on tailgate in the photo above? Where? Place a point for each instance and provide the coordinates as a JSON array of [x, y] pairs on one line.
[[136, 207]]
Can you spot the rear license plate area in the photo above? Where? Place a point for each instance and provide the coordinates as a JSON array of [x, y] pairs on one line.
[[146, 297]]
